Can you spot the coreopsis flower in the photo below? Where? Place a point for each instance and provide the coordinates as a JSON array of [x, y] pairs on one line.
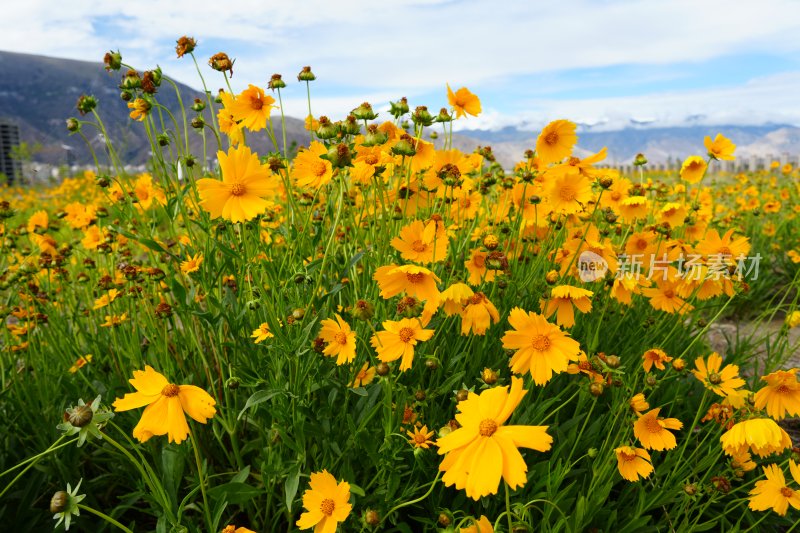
[[421, 243], [113, 321], [166, 404], [139, 109], [479, 272], [665, 297], [326, 503], [655, 356], [774, 493], [541, 347], [92, 238], [421, 437], [227, 121], [761, 436], [85, 420], [478, 314], [673, 213], [340, 340], [726, 248], [309, 169], [781, 394], [651, 430], [454, 297], [192, 264], [364, 376], [793, 319], [634, 207], [245, 182], [106, 299], [38, 221], [398, 340], [633, 463], [743, 462], [261, 333], [638, 403], [720, 148], [693, 169], [64, 505], [722, 381], [568, 193], [556, 141], [82, 361], [463, 102], [415, 281], [582, 365], [562, 299], [483, 449], [251, 108], [482, 525]]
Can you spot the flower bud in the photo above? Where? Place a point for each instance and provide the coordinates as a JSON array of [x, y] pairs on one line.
[[112, 60], [221, 62], [186, 45], [596, 389], [444, 116], [59, 501], [198, 105], [374, 137], [364, 112], [640, 160], [276, 82], [399, 108], [489, 376], [382, 369], [86, 104], [131, 80], [326, 129], [462, 395], [431, 363], [371, 517], [80, 415], [232, 383], [491, 242], [405, 147], [420, 395], [73, 125], [613, 361], [198, 123], [306, 75], [421, 116], [363, 310], [350, 126], [606, 182]]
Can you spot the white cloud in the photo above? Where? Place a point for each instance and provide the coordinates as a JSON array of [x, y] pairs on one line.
[[377, 51]]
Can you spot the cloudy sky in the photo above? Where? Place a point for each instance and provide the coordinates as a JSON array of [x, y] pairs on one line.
[[604, 63]]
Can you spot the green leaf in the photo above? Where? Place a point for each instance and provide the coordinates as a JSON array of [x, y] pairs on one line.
[[290, 486], [258, 398], [234, 492]]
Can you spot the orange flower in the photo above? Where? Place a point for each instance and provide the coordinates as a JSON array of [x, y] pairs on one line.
[[478, 314], [652, 431], [398, 340], [633, 463], [561, 300], [422, 243], [556, 141], [781, 394], [720, 148], [252, 108], [417, 282], [463, 102], [693, 169], [340, 338], [309, 169], [656, 357]]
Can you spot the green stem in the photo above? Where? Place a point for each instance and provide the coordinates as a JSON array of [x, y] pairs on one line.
[[206, 508], [104, 517]]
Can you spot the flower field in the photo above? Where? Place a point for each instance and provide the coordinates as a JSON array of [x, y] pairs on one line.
[[378, 332]]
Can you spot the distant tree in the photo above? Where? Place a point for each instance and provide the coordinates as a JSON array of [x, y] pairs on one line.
[[24, 152]]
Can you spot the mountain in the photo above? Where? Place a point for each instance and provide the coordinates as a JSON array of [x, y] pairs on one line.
[[39, 93], [658, 144]]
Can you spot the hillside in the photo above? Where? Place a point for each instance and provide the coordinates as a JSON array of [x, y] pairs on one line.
[[39, 93]]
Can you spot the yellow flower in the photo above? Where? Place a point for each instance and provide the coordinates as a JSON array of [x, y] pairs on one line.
[[415, 281], [38, 220], [262, 333], [422, 243], [463, 102], [479, 526], [793, 319], [720, 148], [654, 356], [638, 403], [421, 437], [240, 194], [227, 122], [773, 493], [781, 394], [556, 140], [541, 347], [80, 363], [106, 299], [483, 449], [568, 193], [113, 321], [309, 169], [326, 503], [633, 463], [456, 296], [398, 340], [478, 314], [761, 436], [693, 169], [166, 404], [140, 107], [364, 376], [722, 382], [340, 339], [562, 298], [252, 108], [192, 264], [652, 430]]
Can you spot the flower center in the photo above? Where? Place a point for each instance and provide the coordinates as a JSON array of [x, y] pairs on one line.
[[725, 251], [567, 193], [327, 506], [787, 492], [319, 169], [540, 343], [642, 244], [782, 389], [419, 246], [627, 456], [487, 427], [476, 298], [715, 378], [616, 195], [419, 438], [371, 159], [653, 425], [415, 278], [256, 103], [341, 338], [406, 334], [552, 138], [669, 293], [170, 390], [237, 189]]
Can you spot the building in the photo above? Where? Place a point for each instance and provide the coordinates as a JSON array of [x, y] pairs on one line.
[[9, 138]]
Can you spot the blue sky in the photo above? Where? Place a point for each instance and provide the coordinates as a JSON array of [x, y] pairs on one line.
[[602, 63]]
